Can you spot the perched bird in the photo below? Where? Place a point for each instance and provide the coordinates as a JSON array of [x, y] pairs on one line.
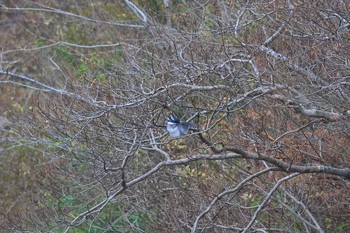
[[176, 127]]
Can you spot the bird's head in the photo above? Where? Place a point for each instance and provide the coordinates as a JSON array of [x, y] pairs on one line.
[[173, 119], [176, 127]]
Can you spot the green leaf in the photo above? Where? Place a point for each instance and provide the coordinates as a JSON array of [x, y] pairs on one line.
[[83, 69], [67, 200], [342, 227]]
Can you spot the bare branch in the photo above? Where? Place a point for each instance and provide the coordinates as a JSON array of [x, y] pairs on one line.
[[58, 11], [137, 11], [226, 192], [266, 199]]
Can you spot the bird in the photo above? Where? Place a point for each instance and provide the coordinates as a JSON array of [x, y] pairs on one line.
[[177, 127]]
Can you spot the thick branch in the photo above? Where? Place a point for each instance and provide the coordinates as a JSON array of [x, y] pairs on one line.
[[310, 112], [343, 172], [287, 167]]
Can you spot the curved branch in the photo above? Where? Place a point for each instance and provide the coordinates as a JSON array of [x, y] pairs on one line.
[[310, 112], [287, 167], [139, 13], [61, 12], [305, 209], [98, 207], [343, 172], [219, 196], [39, 86], [268, 196]]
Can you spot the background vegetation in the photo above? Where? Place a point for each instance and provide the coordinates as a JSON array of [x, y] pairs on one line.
[[85, 87]]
